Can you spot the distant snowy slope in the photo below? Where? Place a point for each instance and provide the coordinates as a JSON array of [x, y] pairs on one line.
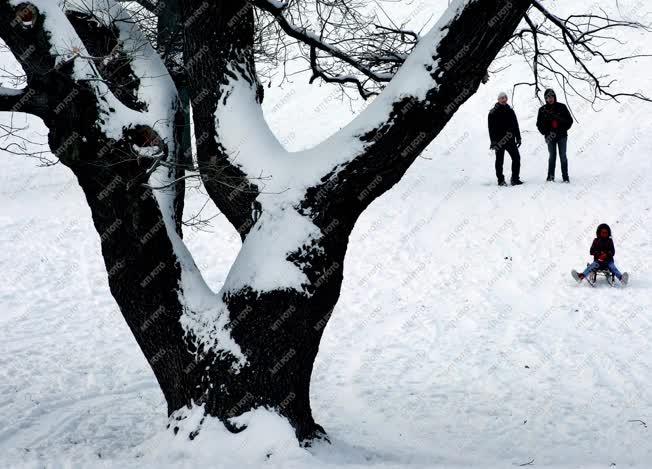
[[460, 338]]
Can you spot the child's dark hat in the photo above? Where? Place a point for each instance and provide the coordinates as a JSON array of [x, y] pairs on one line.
[[603, 226]]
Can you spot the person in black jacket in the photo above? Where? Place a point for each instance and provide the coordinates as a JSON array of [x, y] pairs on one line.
[[554, 121], [505, 135], [603, 251]]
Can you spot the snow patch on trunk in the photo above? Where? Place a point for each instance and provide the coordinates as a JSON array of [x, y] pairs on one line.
[[244, 133], [268, 438], [283, 178], [205, 317], [11, 91], [262, 262]]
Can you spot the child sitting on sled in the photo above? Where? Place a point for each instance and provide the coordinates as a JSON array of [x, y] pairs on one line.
[[603, 251]]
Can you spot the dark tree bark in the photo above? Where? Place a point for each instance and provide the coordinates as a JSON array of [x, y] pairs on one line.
[[143, 271], [281, 329], [169, 41], [221, 34], [278, 330]]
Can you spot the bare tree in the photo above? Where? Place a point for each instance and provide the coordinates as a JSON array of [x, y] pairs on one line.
[[115, 118], [563, 50]]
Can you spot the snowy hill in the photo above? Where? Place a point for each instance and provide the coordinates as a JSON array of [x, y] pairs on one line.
[[460, 338]]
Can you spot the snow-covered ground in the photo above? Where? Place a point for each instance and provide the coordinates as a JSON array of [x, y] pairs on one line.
[[460, 338]]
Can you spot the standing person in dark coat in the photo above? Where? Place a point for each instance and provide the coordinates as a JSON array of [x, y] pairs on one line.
[[553, 122], [505, 135]]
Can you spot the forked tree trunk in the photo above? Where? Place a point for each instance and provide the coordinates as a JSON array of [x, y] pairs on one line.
[[280, 330], [249, 347]]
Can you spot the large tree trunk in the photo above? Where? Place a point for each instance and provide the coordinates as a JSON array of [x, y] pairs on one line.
[[254, 343], [143, 270], [280, 326]]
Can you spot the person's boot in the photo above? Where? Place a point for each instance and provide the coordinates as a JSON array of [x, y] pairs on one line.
[[550, 179], [566, 179], [502, 183], [624, 279], [516, 182]]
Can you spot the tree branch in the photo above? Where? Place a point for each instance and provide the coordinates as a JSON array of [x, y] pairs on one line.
[[149, 5], [276, 9], [23, 100], [318, 72], [213, 61], [110, 148], [535, 61], [448, 64], [576, 40]]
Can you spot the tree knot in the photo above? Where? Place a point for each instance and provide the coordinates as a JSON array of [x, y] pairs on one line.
[[26, 16]]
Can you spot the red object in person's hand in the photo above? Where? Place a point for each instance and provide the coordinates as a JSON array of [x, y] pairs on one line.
[[555, 124]]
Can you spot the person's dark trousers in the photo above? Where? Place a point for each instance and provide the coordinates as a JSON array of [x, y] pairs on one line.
[[512, 149], [554, 143]]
